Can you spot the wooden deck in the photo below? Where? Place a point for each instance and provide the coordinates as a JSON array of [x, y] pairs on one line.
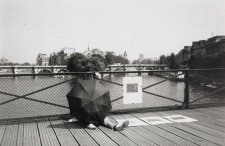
[[208, 130]]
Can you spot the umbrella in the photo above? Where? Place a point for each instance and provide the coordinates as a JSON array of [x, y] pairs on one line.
[[89, 101]]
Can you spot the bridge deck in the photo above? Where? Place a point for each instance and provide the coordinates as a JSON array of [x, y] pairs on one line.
[[208, 130]]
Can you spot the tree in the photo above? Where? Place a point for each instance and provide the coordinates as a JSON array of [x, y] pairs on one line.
[[162, 59], [74, 63], [102, 59], [135, 62], [172, 62], [26, 64], [80, 63], [109, 58]]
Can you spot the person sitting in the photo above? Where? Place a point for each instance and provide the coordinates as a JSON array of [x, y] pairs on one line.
[[106, 123]]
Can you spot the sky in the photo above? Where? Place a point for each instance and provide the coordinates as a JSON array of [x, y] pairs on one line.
[[151, 27]]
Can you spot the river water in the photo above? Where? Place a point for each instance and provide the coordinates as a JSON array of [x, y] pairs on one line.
[[37, 88]]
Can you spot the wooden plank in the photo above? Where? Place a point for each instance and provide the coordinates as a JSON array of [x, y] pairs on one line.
[[10, 136], [203, 124], [142, 133], [190, 137], [203, 127], [219, 109], [165, 134], [100, 137], [78, 131], [202, 120], [201, 134], [2, 131], [170, 136], [208, 118], [153, 137], [207, 130], [47, 134], [31, 136], [148, 134], [210, 112], [137, 138], [117, 137], [63, 134], [199, 116], [20, 135], [210, 125]]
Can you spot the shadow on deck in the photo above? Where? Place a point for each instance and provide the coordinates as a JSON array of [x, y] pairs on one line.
[[156, 128]]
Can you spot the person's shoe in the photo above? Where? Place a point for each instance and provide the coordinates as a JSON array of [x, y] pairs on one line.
[[121, 125], [91, 126], [72, 120]]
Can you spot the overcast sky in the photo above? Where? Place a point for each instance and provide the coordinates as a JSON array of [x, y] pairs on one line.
[[152, 27]]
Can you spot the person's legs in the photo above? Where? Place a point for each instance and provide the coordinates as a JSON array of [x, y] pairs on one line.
[[107, 123], [116, 127], [85, 123], [73, 119], [91, 126], [121, 125]]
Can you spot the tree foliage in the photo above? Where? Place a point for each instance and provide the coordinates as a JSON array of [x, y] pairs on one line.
[[162, 59], [111, 59], [172, 63], [80, 63]]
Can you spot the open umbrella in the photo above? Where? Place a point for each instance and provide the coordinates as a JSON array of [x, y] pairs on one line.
[[89, 101]]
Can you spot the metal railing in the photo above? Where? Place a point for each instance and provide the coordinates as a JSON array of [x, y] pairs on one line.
[[37, 95]]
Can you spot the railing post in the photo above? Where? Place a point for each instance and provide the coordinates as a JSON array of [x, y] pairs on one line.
[[139, 70], [186, 90], [14, 70], [34, 71], [110, 69]]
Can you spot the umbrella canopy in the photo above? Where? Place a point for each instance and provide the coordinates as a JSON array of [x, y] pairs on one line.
[[89, 101]]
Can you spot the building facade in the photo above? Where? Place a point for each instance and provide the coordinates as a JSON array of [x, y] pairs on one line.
[[4, 61], [42, 60], [213, 46], [184, 55], [141, 57], [61, 57], [89, 52], [53, 59]]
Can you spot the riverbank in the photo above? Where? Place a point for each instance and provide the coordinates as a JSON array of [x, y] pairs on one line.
[[179, 77]]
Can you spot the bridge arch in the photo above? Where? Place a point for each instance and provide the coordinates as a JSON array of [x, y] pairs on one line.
[[62, 71], [44, 71]]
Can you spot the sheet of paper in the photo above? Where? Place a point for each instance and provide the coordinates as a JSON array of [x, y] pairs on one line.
[[132, 90]]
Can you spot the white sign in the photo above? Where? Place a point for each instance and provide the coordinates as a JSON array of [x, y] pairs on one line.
[[132, 90], [133, 122], [180, 118], [155, 120]]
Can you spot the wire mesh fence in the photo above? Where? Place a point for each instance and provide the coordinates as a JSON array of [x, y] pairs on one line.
[[207, 86], [29, 95], [26, 96], [155, 91]]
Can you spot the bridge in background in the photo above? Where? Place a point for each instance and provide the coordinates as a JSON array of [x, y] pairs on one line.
[[139, 67], [61, 69], [32, 69]]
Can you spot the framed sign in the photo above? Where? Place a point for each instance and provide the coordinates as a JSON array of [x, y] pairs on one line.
[[132, 90]]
